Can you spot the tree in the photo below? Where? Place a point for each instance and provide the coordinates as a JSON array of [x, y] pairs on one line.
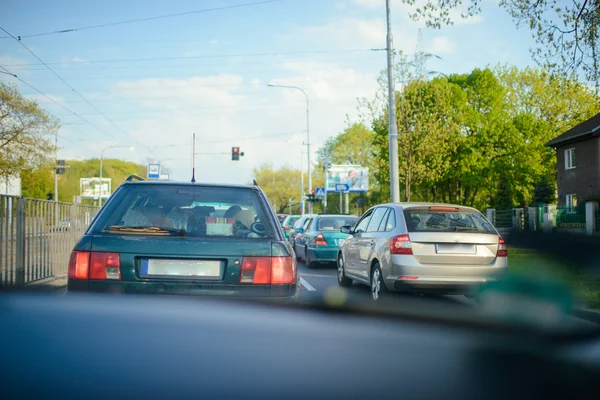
[[568, 33], [25, 133], [36, 183], [280, 186]]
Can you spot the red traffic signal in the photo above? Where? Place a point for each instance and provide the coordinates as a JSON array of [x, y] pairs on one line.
[[235, 153]]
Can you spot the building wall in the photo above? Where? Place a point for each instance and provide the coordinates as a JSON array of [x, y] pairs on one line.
[[584, 179]]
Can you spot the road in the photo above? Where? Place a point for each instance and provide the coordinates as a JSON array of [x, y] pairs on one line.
[[315, 282]]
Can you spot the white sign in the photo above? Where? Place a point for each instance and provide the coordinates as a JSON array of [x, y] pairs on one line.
[[90, 188], [153, 171], [164, 177], [355, 176]]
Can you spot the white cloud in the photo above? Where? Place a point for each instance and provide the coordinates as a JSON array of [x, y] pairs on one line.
[[441, 45]]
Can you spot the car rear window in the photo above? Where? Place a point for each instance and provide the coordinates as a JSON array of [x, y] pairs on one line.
[[185, 210], [437, 221], [292, 221], [334, 223]]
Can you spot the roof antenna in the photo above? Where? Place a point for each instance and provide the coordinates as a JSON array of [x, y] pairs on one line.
[[254, 182], [193, 157]]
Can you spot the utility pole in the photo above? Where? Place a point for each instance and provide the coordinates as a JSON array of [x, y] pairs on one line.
[[193, 157], [393, 127]]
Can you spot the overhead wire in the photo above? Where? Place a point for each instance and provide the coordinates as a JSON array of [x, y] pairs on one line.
[[73, 89], [130, 21]]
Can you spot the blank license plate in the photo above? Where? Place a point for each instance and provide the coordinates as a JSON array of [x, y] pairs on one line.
[[205, 269], [452, 248]]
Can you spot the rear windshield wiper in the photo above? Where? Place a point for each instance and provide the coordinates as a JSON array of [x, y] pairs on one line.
[[152, 230]]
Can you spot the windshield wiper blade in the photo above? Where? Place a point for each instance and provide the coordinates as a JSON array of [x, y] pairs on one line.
[[157, 230]]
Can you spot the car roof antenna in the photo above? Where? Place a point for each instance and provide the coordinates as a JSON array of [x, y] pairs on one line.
[[254, 182], [193, 158]]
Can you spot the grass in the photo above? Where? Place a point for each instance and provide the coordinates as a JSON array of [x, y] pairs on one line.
[[548, 268]]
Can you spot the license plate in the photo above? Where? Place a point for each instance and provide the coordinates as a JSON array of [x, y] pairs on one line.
[[205, 269], [452, 248]]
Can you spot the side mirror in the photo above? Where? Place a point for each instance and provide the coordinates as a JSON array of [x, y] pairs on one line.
[[347, 229]]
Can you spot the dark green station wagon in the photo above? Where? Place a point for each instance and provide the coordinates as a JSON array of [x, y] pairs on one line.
[[185, 238]]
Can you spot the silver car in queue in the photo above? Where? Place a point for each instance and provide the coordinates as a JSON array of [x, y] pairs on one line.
[[421, 247]]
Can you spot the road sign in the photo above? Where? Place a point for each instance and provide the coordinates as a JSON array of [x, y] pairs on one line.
[[320, 192], [341, 187], [153, 171]]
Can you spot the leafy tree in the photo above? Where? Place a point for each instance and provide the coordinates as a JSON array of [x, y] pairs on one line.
[[37, 183], [26, 131], [567, 33], [545, 190]]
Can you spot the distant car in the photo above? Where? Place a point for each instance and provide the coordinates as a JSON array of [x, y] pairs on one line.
[[288, 223], [65, 225], [299, 238], [185, 238], [298, 228], [421, 247], [322, 238], [281, 217]]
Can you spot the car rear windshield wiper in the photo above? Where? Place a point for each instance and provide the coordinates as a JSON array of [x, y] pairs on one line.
[[151, 230]]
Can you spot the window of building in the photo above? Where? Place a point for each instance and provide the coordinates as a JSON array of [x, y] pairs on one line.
[[570, 159]]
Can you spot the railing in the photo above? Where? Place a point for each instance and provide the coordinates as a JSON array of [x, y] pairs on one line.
[[37, 236], [504, 219], [567, 217]]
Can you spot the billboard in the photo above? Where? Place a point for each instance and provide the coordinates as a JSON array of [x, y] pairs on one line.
[[355, 176], [90, 188], [153, 171]]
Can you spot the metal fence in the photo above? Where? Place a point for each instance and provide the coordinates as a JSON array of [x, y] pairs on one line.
[[567, 217], [37, 236]]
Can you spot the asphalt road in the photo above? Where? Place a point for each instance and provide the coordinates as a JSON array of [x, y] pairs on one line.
[[315, 282]]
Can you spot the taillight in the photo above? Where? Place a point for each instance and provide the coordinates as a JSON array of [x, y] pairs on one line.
[[79, 265], [287, 228], [268, 270], [320, 240], [502, 248], [94, 265], [400, 245], [105, 266]]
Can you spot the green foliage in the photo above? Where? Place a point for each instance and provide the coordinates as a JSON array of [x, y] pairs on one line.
[[26, 133], [37, 183]]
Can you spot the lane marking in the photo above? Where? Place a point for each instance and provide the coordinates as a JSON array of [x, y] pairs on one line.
[[307, 285]]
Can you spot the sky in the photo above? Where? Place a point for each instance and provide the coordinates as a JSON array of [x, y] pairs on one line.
[[151, 84]]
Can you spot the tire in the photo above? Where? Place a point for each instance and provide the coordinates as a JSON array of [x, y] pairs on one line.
[[378, 289], [343, 281], [309, 264]]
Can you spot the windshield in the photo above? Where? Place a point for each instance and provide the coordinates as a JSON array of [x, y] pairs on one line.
[[298, 152], [433, 221], [334, 223], [198, 211]]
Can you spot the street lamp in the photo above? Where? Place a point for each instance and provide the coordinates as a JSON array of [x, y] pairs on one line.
[[307, 135], [131, 149]]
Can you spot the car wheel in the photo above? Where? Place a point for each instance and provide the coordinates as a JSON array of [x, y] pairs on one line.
[[378, 289], [341, 273]]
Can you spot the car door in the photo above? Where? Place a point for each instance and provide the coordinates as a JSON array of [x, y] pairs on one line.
[[366, 243], [351, 254], [295, 230]]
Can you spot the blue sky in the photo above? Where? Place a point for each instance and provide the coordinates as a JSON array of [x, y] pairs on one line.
[[155, 82]]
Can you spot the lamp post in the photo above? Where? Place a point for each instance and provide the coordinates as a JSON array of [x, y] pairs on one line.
[[131, 149], [307, 134]]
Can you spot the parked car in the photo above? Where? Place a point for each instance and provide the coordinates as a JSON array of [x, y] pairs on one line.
[[288, 223], [185, 238], [322, 238], [298, 228], [421, 247]]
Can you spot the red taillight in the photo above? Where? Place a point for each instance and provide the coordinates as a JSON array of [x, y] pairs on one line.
[[408, 278], [93, 265], [79, 265], [502, 248], [105, 266], [287, 228], [320, 240], [268, 270], [400, 245]]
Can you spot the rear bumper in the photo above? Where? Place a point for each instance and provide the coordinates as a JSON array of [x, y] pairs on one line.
[[405, 274], [327, 254], [286, 293]]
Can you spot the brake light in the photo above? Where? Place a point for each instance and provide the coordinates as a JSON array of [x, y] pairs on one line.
[[268, 270], [85, 265], [443, 209], [287, 228], [502, 248], [408, 278], [320, 240], [400, 245], [79, 265], [105, 266]]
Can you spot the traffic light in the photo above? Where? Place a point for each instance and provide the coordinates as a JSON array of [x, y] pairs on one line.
[[235, 154], [311, 197], [50, 196], [60, 168]]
